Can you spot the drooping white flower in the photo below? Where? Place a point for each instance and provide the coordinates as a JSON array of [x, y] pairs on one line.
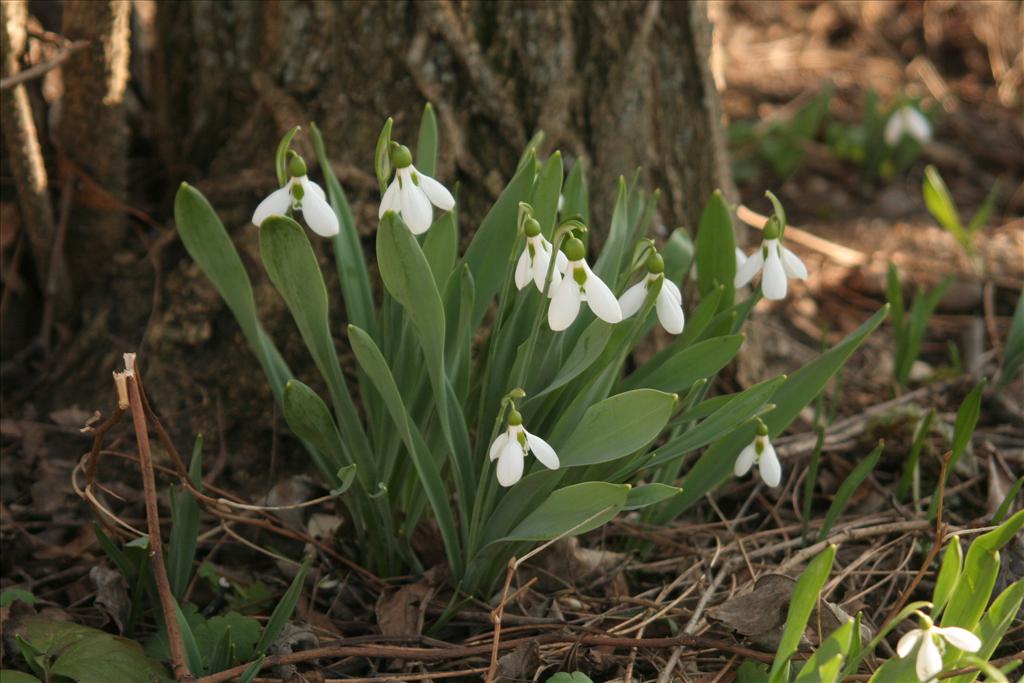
[[580, 284], [762, 452], [511, 447], [669, 304], [536, 258], [909, 121], [411, 193], [933, 641], [299, 194], [777, 262]]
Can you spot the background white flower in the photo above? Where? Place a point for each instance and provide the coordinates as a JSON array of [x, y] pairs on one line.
[[777, 262], [511, 447], [580, 284], [762, 452], [907, 120], [299, 194], [411, 193]]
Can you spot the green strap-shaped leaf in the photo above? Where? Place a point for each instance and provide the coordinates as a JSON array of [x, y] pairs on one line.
[[283, 612], [488, 254], [607, 265], [1013, 354], [348, 249], [994, 625], [376, 368], [805, 596], [963, 430], [686, 366], [847, 489], [649, 494], [571, 510], [546, 192], [310, 419], [949, 575], [577, 200], [441, 246], [616, 427], [292, 267], [940, 204], [716, 464], [716, 250], [185, 526], [585, 352], [426, 143]]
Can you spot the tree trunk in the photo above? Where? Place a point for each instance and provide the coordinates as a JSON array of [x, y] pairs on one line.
[[621, 85]]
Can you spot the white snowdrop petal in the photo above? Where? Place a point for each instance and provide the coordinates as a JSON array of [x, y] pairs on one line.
[[773, 279], [929, 659], [561, 261], [543, 451], [746, 272], [793, 266], [510, 464], [893, 129], [437, 193], [499, 443], [632, 299], [600, 299], [389, 202], [745, 461], [276, 203], [565, 304], [670, 311], [916, 125], [541, 261], [309, 186], [960, 637], [768, 465], [741, 258], [416, 211], [319, 215], [673, 290], [523, 270], [907, 642]]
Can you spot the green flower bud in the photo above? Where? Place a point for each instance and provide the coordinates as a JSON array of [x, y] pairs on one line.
[[655, 263], [515, 418], [574, 249], [531, 227], [400, 155], [771, 229], [762, 428], [296, 165]]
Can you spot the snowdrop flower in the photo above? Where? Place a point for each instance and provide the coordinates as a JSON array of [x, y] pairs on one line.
[[907, 120], [670, 299], [762, 452], [299, 194], [929, 656], [580, 284], [411, 193], [511, 447], [778, 262], [535, 259]]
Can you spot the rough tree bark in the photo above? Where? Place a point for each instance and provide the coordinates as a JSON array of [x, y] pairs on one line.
[[622, 85]]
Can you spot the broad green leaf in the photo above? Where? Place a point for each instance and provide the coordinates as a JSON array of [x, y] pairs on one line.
[[426, 144], [348, 248], [9, 676], [209, 245], [972, 591], [574, 677], [963, 430], [646, 495], [805, 596], [529, 154], [686, 366], [546, 192], [584, 354], [382, 156], [88, 655], [996, 622], [799, 389], [617, 426], [283, 612], [1013, 354], [716, 250], [824, 664], [678, 253], [847, 489], [376, 368], [949, 575], [940, 204], [489, 253], [291, 264], [310, 419], [752, 672], [577, 200], [571, 510], [441, 247], [281, 156], [607, 265]]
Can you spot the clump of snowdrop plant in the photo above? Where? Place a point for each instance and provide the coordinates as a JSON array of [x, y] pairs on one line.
[[452, 359]]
